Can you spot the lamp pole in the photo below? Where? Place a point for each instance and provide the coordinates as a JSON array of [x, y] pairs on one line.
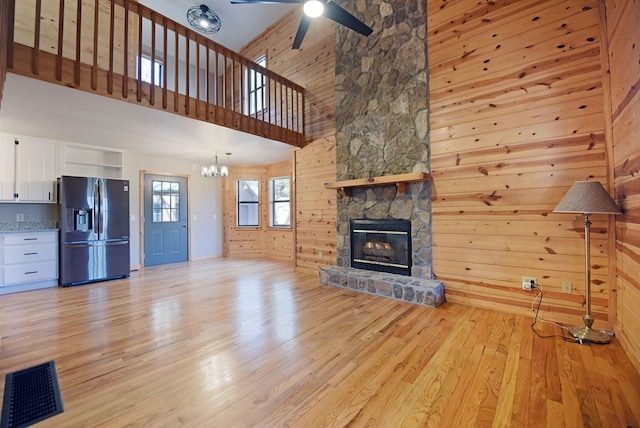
[[587, 333]]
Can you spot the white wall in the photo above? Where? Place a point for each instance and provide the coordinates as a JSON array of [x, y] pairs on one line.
[[204, 204]]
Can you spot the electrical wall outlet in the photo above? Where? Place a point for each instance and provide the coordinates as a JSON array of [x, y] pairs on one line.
[[20, 217], [529, 282], [566, 287]]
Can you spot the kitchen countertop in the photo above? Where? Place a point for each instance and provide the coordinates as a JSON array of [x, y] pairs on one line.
[[28, 226]]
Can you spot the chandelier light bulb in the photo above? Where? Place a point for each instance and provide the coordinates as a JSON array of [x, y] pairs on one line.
[[313, 8]]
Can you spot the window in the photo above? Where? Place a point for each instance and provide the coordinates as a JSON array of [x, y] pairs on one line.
[[166, 201], [248, 202], [279, 201], [256, 87], [145, 70]]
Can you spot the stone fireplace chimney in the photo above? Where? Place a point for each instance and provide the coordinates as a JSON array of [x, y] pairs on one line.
[[382, 128]]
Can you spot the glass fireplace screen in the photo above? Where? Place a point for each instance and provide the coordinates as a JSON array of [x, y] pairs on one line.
[[381, 245]]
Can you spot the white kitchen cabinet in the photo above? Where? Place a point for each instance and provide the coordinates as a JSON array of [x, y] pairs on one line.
[[29, 258], [29, 169], [36, 173], [7, 168]]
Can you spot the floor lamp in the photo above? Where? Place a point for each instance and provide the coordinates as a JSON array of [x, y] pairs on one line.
[[586, 198]]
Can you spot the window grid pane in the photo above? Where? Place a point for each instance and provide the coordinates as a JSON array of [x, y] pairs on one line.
[[165, 201]]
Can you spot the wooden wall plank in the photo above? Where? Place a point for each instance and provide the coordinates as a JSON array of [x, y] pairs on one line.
[[517, 117], [623, 37]]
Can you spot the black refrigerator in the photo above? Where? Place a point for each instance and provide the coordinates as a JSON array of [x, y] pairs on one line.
[[94, 229]]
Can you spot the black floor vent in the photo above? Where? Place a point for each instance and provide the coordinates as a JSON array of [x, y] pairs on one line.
[[31, 395]]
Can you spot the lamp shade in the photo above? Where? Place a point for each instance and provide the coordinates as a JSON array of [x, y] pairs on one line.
[[587, 197]]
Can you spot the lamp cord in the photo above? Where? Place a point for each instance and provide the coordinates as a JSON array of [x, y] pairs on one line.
[[535, 321]]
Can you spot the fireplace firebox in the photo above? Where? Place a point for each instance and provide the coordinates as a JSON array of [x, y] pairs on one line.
[[381, 245]]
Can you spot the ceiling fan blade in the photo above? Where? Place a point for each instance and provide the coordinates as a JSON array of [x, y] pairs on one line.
[[341, 16], [302, 30], [266, 1]]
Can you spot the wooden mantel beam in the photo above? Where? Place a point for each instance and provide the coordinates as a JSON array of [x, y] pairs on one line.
[[399, 180]]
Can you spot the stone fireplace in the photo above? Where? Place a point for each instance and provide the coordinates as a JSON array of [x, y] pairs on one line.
[[382, 145], [386, 203]]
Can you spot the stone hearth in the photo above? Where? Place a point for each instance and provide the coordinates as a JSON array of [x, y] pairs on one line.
[[409, 289]]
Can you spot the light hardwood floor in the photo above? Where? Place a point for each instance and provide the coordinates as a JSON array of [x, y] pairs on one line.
[[227, 342]]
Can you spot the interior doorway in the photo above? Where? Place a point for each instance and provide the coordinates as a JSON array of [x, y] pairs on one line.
[[165, 218]]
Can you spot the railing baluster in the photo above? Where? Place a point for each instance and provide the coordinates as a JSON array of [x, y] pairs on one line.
[[76, 68], [197, 71], [298, 112], [233, 85], [207, 85], [282, 112], [35, 61], [94, 70], [255, 93], [152, 89], [60, 41], [112, 23], [216, 87], [139, 59], [186, 75], [268, 100], [263, 85], [303, 130], [241, 90], [125, 76], [224, 86], [176, 97], [164, 62]]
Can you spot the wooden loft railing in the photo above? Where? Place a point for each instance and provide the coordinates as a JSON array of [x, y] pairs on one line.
[[102, 46]]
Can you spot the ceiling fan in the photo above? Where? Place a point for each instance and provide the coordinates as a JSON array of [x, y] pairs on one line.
[[313, 9]]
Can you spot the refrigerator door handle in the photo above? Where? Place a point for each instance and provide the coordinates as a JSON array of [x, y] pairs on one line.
[[96, 207]]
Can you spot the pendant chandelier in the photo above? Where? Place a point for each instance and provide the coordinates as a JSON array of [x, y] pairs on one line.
[[214, 169]]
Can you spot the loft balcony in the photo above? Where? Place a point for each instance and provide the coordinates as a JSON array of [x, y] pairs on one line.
[[124, 50]]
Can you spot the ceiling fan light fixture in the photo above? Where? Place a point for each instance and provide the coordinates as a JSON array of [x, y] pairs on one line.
[[313, 8], [204, 19]]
